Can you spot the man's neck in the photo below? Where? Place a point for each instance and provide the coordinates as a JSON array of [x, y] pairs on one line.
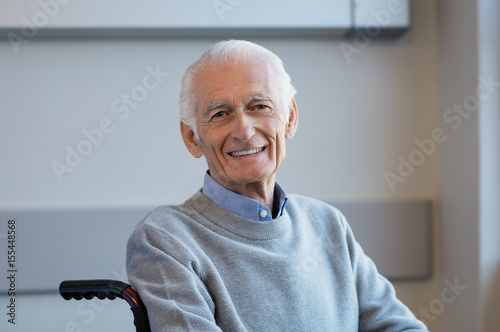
[[242, 205], [261, 192]]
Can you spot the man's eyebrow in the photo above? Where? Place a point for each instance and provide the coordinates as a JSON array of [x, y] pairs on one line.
[[211, 106], [260, 97], [214, 105]]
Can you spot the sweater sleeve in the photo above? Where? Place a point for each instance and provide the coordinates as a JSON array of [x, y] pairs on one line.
[[168, 280], [379, 309]]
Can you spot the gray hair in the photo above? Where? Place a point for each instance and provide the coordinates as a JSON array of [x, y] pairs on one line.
[[238, 50]]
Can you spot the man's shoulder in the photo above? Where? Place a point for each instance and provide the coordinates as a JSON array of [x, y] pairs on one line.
[[195, 202], [170, 216], [173, 228]]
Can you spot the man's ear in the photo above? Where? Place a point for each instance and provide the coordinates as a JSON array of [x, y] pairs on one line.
[[190, 140], [293, 120]]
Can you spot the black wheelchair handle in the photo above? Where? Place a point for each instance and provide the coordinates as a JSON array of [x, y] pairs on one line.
[[88, 289], [108, 289]]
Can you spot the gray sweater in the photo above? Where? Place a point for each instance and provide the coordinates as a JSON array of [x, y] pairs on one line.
[[199, 267]]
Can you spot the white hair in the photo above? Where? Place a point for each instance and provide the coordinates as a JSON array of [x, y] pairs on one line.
[[236, 50]]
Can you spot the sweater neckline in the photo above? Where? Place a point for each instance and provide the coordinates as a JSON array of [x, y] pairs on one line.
[[233, 223]]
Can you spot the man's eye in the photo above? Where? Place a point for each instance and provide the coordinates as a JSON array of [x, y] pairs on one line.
[[261, 107], [219, 114]]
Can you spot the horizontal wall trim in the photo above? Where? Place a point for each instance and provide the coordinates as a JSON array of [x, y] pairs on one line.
[[13, 33]]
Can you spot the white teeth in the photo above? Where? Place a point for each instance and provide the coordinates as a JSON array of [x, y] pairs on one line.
[[245, 153]]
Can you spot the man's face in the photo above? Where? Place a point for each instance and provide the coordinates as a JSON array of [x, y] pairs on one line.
[[241, 123]]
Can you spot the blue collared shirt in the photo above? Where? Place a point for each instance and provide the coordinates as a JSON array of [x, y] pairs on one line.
[[243, 206]]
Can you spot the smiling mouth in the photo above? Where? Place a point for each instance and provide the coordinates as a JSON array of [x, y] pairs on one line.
[[246, 153]]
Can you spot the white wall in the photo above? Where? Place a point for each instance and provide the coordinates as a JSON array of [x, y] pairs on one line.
[[489, 129], [469, 182], [357, 116]]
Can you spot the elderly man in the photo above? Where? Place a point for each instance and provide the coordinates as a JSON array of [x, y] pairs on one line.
[[241, 254]]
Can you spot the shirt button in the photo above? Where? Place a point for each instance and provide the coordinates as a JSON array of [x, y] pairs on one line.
[[263, 213]]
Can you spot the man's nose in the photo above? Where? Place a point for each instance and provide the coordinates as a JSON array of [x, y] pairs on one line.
[[244, 127]]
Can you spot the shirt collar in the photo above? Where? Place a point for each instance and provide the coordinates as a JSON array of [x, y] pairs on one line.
[[243, 206]]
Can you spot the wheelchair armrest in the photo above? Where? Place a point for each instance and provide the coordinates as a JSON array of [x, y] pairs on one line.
[[108, 289], [100, 288]]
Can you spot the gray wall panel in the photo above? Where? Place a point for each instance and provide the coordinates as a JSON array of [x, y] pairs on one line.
[[58, 244]]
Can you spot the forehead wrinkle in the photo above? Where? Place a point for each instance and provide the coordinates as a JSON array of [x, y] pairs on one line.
[[215, 105], [259, 97], [254, 96]]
